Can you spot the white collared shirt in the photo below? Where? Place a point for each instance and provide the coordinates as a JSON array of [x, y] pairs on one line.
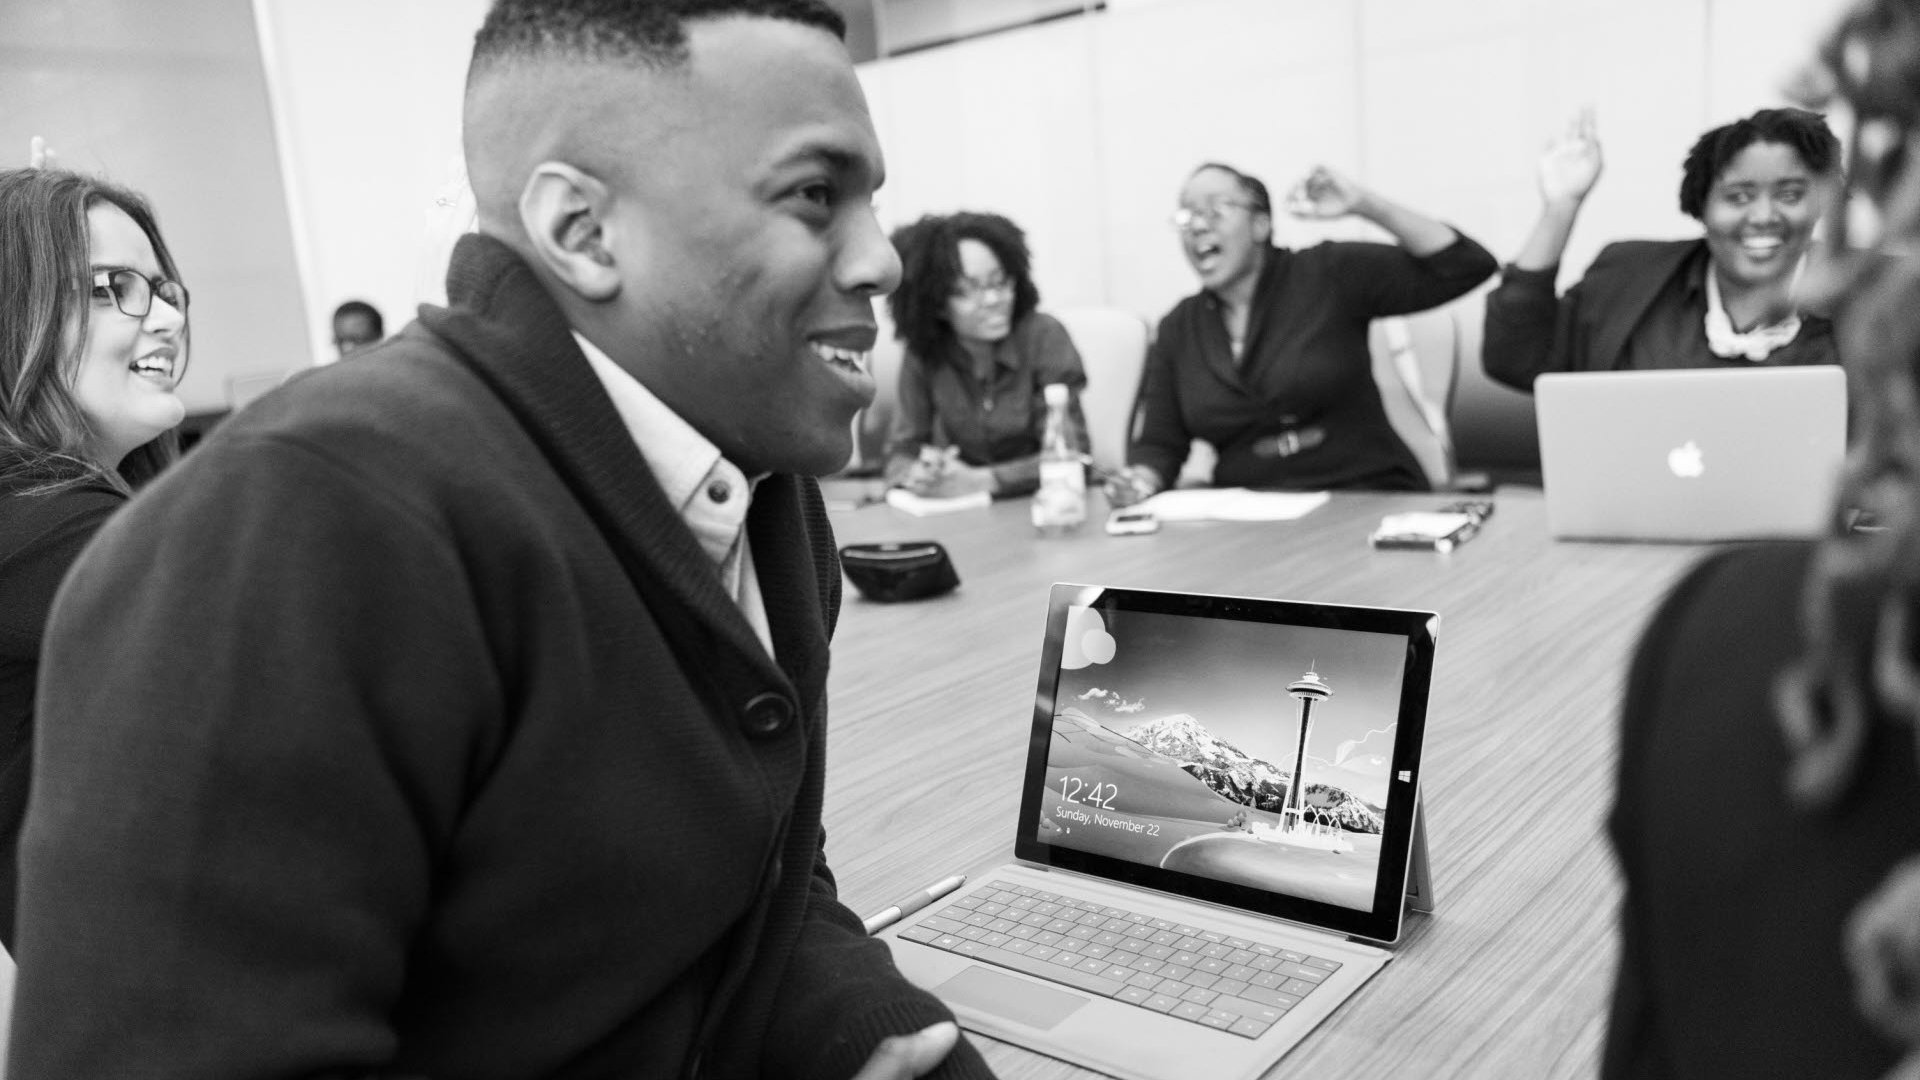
[[711, 493]]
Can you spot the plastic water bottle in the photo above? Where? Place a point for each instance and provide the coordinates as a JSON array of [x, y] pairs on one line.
[[1060, 506]]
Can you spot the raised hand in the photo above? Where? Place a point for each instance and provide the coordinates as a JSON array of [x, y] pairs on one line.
[[1570, 166], [40, 155], [1324, 195]]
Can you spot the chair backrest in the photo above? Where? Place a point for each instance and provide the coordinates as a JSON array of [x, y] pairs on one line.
[[1494, 432], [1113, 349], [1414, 358]]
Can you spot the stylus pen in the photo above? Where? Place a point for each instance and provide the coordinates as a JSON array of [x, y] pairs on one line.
[[887, 916]]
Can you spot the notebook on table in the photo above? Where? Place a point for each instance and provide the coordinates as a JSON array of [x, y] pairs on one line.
[[1179, 906], [1706, 454]]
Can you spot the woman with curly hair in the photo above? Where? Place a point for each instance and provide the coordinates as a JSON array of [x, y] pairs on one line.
[[93, 338], [978, 356], [1727, 299], [1768, 814]]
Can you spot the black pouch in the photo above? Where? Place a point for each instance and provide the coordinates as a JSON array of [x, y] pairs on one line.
[[902, 570]]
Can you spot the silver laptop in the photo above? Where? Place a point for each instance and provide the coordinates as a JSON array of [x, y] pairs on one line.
[[1219, 827], [1708, 454]]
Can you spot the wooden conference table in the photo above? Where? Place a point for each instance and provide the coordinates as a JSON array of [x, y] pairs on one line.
[[1510, 976]]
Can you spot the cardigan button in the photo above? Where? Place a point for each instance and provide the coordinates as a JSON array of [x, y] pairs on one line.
[[766, 714]]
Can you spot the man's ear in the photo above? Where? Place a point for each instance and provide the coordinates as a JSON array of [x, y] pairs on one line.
[[562, 209], [1262, 226]]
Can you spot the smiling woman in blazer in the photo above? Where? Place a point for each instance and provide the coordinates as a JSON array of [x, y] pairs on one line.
[[1727, 299]]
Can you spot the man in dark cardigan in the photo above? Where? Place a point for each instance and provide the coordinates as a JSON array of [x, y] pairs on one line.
[[462, 714]]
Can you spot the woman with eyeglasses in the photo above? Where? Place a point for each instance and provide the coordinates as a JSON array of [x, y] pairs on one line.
[[1727, 299], [93, 338], [1268, 362], [978, 355]]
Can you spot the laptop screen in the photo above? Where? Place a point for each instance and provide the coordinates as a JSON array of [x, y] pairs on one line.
[[1170, 730]]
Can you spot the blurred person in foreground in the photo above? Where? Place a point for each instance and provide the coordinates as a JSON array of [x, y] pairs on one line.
[[1730, 298], [93, 340], [1768, 813], [462, 713], [979, 353], [1268, 362]]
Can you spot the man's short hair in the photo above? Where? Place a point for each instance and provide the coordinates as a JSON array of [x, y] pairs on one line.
[[1805, 133], [651, 32], [366, 311]]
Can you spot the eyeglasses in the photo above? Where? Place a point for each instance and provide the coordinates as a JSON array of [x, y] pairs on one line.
[[1207, 214], [969, 291], [133, 291]]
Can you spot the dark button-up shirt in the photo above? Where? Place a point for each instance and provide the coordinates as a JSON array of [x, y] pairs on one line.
[[1304, 382], [996, 415]]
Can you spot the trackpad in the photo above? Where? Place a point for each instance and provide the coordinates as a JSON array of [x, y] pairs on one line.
[[1009, 998]]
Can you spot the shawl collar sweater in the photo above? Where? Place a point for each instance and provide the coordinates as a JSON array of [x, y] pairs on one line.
[[439, 750]]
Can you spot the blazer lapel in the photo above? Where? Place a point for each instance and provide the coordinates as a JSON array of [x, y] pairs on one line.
[[1637, 293]]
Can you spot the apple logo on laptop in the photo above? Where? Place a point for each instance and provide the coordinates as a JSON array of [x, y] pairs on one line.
[[1686, 460]]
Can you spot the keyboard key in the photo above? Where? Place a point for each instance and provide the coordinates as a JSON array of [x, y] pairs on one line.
[[1251, 1028], [1315, 961], [1133, 995], [1298, 987], [1229, 986], [1079, 980], [1189, 1010], [1302, 971], [1238, 1006], [1269, 997], [1220, 1023], [1199, 995], [1161, 1003], [919, 932]]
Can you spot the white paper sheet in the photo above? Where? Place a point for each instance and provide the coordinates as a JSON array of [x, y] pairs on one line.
[[1234, 504]]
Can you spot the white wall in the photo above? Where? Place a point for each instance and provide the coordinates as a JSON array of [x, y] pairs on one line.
[[1083, 129], [367, 94], [169, 99], [1440, 104]]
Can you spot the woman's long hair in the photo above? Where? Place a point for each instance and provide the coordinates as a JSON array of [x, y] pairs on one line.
[[1861, 667], [45, 290]]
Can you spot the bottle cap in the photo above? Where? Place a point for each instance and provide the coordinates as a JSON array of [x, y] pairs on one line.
[[1056, 393]]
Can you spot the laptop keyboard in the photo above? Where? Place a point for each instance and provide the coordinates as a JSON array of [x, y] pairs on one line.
[[1203, 976]]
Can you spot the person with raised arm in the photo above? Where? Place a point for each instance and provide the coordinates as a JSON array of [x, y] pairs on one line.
[[1269, 362], [1727, 299]]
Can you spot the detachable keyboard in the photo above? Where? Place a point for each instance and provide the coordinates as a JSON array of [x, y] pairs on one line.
[[1215, 979]]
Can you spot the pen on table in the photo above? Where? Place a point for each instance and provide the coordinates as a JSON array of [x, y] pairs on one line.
[[887, 916]]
